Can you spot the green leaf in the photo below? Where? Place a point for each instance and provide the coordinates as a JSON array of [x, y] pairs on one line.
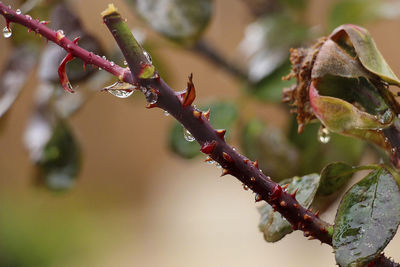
[[367, 52], [270, 88], [367, 219], [272, 224], [222, 116], [60, 161], [270, 147], [179, 20], [334, 176]]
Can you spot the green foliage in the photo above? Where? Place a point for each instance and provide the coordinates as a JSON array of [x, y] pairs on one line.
[[367, 219], [272, 224], [182, 21], [334, 176]]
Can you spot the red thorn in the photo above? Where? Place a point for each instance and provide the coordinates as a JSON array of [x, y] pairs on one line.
[[227, 157], [149, 105], [293, 195], [63, 75], [310, 210], [311, 238], [285, 186], [307, 217], [307, 233], [225, 172], [207, 114], [317, 214], [245, 187], [75, 41], [197, 114], [221, 133], [283, 203], [208, 159], [273, 207], [276, 192], [296, 206], [252, 179], [255, 163], [258, 198], [245, 161], [84, 66], [190, 93], [208, 147]]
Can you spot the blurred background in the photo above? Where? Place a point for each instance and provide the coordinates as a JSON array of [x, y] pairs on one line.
[[127, 193]]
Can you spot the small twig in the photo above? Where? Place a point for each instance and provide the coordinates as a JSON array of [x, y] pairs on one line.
[[205, 49]]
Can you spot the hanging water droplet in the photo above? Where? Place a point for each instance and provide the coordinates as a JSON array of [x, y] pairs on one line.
[[61, 32], [125, 63], [121, 93], [151, 97], [104, 57], [18, 11], [166, 113], [148, 57], [43, 22], [188, 136], [324, 135], [7, 32], [100, 68]]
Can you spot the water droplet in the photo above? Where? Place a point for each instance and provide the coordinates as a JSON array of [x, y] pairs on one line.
[[100, 68], [60, 32], [104, 57], [188, 136], [166, 113], [386, 117], [112, 64], [323, 135], [245, 187], [151, 97], [218, 165], [148, 57], [121, 93], [29, 17], [18, 11], [43, 22], [7, 32], [211, 162], [125, 63]]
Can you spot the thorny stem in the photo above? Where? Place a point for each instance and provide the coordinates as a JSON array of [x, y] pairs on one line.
[[178, 104]]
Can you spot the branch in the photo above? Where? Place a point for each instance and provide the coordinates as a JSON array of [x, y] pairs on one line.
[[179, 105]]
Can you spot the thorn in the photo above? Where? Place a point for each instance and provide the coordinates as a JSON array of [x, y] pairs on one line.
[[151, 105], [252, 179], [273, 207], [221, 133], [276, 192], [197, 114], [75, 41], [245, 161], [190, 93], [283, 203], [208, 147], [255, 163], [245, 187], [307, 217], [258, 198], [225, 172], [311, 238], [296, 206], [310, 210], [207, 114], [208, 159], [84, 66], [307, 233], [317, 214], [285, 186], [63, 75], [227, 157], [293, 195]]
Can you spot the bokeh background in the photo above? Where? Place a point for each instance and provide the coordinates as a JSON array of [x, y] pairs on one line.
[[136, 203]]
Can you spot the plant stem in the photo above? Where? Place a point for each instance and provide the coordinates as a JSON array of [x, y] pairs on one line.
[[177, 104]]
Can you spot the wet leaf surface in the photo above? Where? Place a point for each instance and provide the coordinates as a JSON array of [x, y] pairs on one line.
[[333, 177], [179, 20], [272, 224], [367, 219]]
